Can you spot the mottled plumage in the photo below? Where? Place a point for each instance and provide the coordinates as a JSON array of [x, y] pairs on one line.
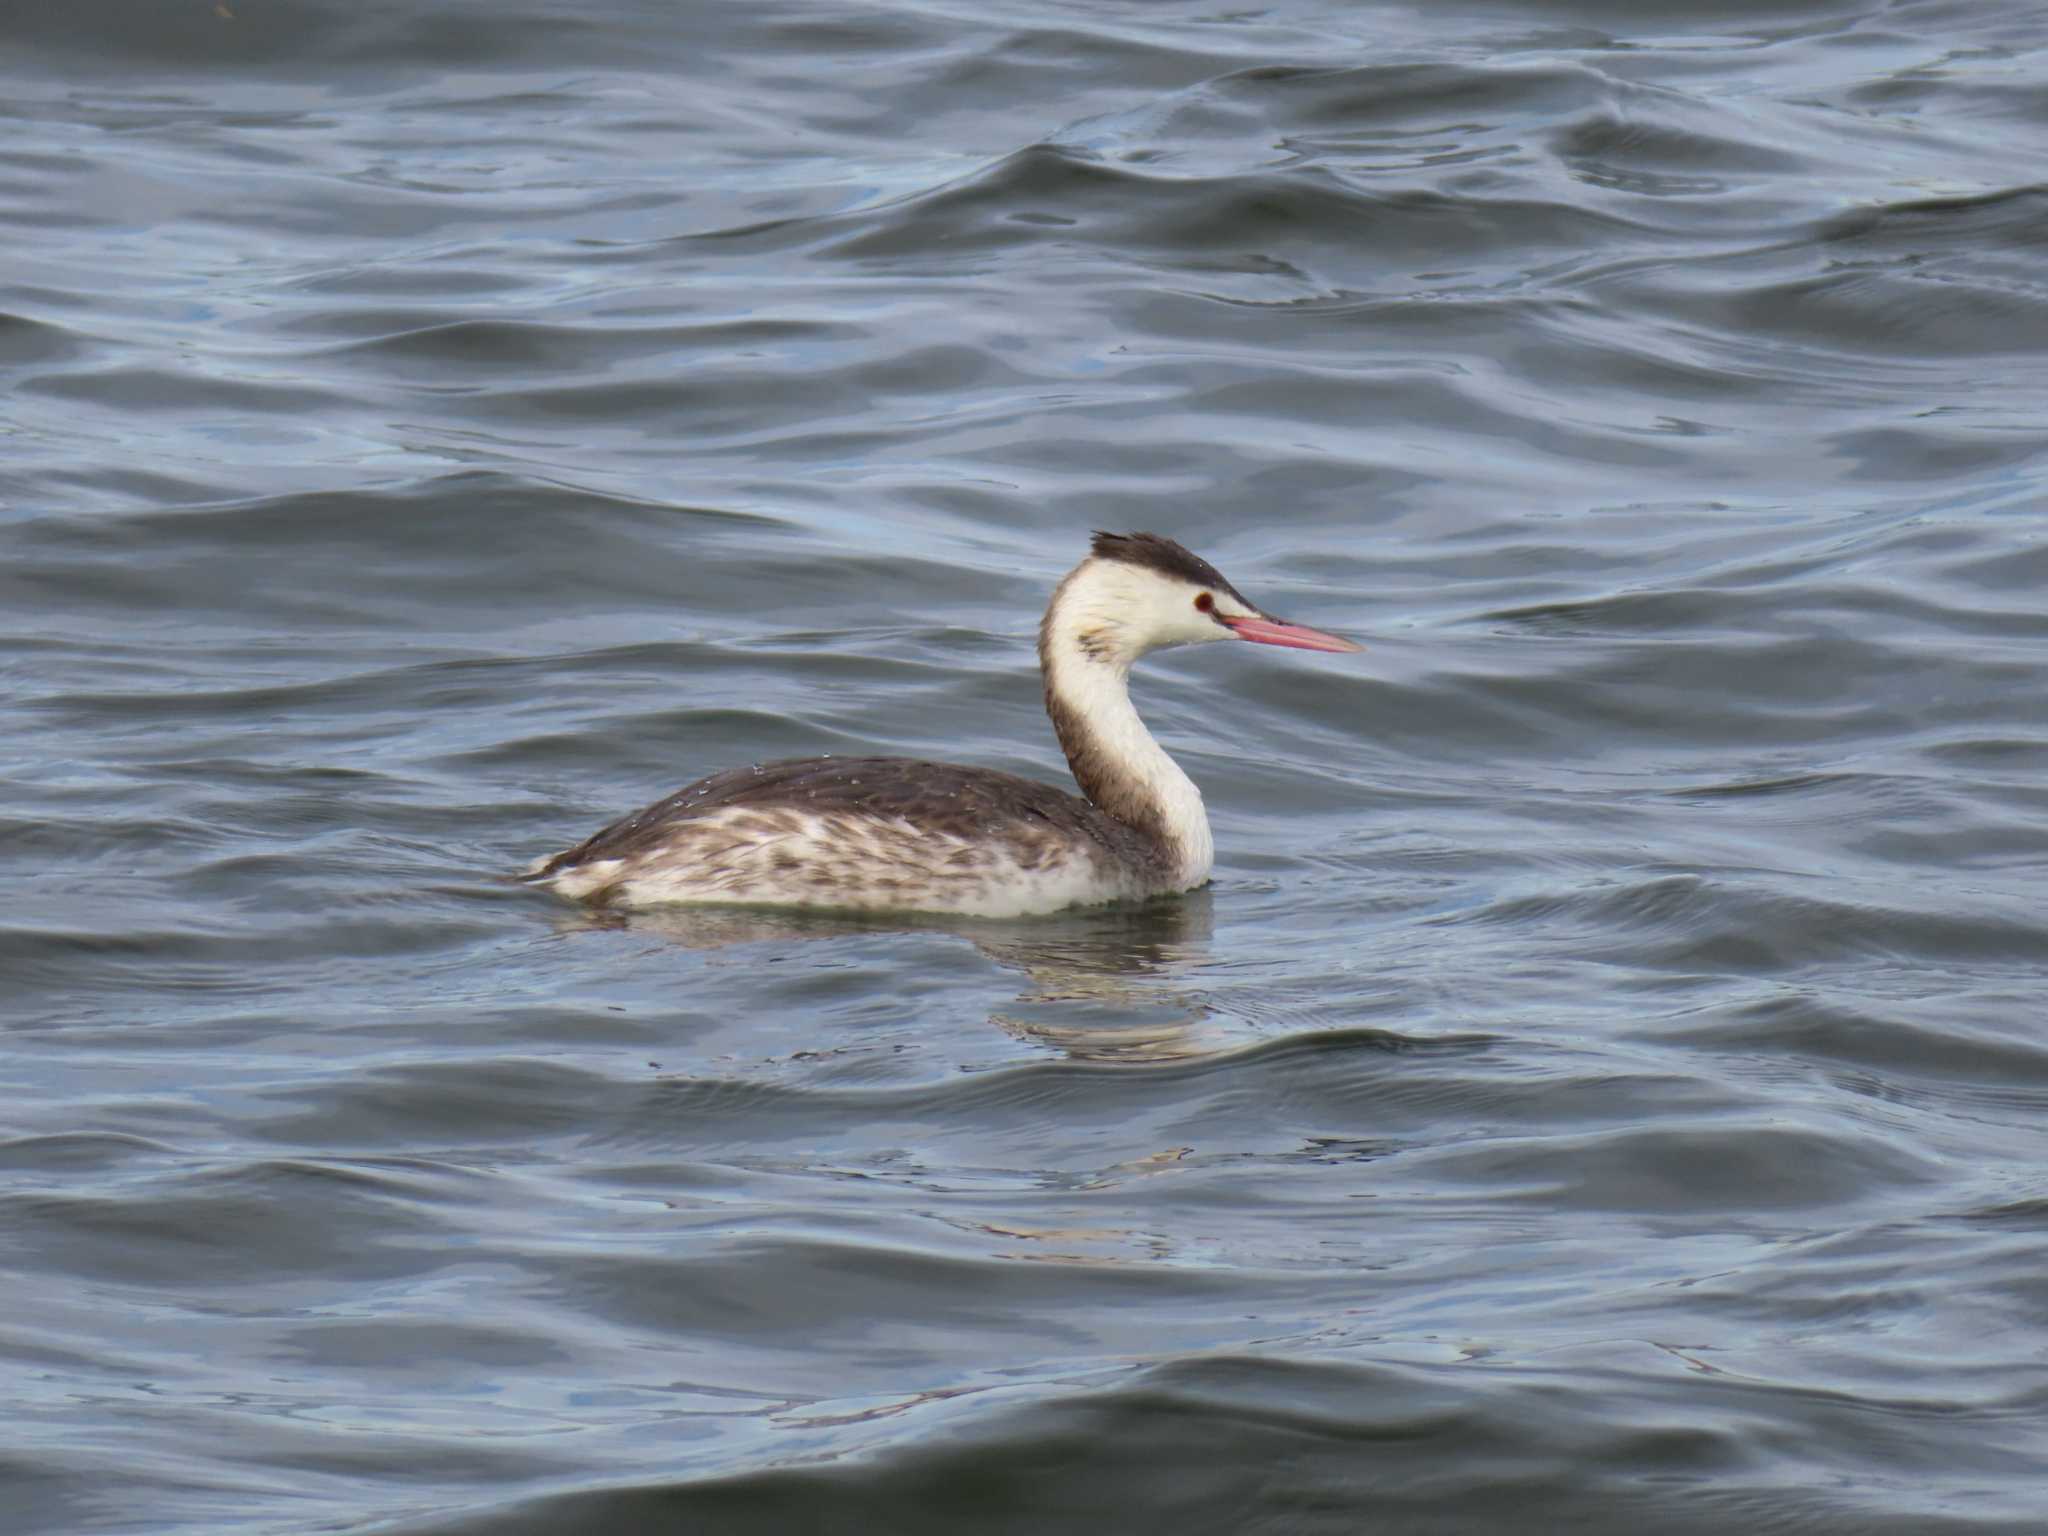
[[893, 821], [899, 834]]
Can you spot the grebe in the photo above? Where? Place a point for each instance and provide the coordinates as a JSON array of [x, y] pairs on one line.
[[896, 834]]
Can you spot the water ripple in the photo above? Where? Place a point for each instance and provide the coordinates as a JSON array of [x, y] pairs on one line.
[[1602, 1088]]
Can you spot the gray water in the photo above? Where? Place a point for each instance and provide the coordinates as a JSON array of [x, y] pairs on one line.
[[1606, 1087]]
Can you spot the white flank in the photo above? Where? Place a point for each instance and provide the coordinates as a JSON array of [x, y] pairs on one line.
[[800, 859]]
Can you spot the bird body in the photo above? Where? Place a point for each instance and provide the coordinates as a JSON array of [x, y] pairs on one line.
[[899, 834]]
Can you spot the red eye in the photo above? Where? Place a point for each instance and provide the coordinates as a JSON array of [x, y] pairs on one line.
[[1204, 601]]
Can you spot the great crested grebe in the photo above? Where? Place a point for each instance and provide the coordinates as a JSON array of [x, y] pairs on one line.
[[901, 835]]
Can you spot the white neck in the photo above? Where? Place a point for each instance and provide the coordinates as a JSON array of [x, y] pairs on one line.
[[1120, 767]]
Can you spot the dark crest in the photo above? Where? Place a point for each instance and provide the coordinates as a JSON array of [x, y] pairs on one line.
[[1158, 553]]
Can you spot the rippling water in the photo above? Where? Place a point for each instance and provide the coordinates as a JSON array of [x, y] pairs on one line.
[[1605, 1088]]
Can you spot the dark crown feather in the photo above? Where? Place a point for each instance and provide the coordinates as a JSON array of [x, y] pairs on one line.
[[1156, 552]]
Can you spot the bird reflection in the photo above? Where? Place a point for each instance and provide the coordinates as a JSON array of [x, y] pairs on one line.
[[1094, 975]]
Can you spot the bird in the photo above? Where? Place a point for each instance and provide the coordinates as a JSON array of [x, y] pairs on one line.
[[902, 835]]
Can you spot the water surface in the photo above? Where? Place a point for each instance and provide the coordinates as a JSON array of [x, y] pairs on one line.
[[1605, 1087]]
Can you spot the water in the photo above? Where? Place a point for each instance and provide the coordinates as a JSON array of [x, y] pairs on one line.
[[1605, 1089]]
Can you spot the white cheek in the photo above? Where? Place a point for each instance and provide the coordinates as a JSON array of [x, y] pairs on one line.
[[1192, 628]]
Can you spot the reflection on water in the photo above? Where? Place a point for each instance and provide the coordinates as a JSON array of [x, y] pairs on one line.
[[426, 429], [1121, 964]]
